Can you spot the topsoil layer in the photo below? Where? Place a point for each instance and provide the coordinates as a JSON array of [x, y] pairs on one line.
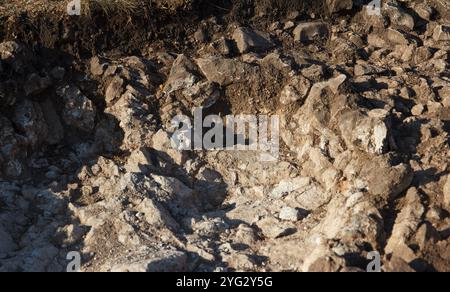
[[47, 24]]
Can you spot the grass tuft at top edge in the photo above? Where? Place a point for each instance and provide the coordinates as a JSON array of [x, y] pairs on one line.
[[109, 7]]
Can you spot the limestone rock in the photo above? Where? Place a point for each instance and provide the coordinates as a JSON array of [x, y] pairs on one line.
[[296, 90], [310, 31], [447, 193], [164, 261], [442, 33], [79, 111], [224, 71], [406, 224], [182, 75], [339, 5], [248, 40], [386, 180]]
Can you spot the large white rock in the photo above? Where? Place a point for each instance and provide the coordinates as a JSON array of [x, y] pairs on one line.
[[289, 214]]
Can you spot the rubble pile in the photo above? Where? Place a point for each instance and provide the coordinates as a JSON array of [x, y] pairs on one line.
[[87, 163]]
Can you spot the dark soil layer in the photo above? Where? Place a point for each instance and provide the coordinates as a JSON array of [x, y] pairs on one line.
[[84, 36]]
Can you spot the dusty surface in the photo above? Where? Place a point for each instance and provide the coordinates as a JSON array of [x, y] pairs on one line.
[[86, 163]]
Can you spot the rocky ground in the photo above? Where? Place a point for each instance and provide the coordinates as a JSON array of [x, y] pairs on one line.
[[86, 162]]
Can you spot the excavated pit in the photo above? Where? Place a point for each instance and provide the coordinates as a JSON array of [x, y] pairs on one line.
[[87, 166]]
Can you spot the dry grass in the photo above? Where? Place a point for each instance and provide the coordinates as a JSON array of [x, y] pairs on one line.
[[88, 7], [135, 6], [111, 7]]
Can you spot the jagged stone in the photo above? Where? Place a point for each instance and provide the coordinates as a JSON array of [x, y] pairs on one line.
[[405, 226], [339, 5], [310, 31], [79, 111], [295, 91], [447, 193], [163, 261], [224, 71], [249, 40], [441, 33], [182, 75]]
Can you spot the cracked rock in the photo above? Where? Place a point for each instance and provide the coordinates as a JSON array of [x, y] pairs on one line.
[[441, 33], [339, 5], [406, 224], [248, 40], [310, 31], [79, 111]]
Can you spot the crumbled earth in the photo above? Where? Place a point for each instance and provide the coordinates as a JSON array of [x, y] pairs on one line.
[[86, 162]]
